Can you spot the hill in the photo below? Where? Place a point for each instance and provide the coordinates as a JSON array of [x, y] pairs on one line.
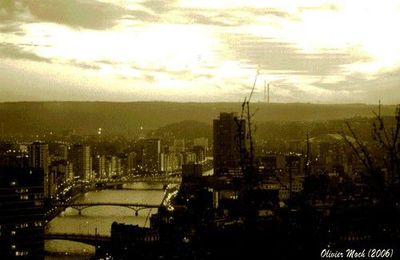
[[123, 118]]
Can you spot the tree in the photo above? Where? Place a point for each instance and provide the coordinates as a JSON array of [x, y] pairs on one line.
[[388, 144]]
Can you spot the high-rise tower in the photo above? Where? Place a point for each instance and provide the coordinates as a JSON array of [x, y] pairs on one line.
[[229, 131]]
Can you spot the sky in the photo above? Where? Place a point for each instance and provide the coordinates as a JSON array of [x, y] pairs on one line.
[[343, 51]]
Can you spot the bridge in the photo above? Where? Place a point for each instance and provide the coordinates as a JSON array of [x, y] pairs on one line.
[[94, 240], [146, 189], [155, 181], [164, 180], [121, 186], [134, 206]]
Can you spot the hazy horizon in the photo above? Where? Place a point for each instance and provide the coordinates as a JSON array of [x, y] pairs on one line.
[[309, 51], [197, 102]]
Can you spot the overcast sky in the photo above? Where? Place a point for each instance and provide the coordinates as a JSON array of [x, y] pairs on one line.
[[343, 51]]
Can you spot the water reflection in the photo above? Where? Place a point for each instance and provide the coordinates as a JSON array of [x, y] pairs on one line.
[[98, 219]]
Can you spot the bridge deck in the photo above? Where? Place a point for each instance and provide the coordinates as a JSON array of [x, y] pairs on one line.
[[94, 240], [141, 205]]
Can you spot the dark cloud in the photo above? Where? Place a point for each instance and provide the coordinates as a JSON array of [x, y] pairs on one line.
[[271, 55], [384, 86], [199, 18], [8, 8], [270, 12], [9, 27], [139, 15], [90, 14], [227, 17], [184, 74], [17, 52], [159, 6], [84, 65], [77, 13], [325, 6]]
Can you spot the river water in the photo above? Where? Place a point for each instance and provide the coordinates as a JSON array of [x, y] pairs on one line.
[[99, 219]]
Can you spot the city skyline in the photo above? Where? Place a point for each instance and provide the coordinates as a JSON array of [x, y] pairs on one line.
[[187, 51]]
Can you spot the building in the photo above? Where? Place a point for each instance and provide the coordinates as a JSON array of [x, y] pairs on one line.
[[21, 213], [272, 163], [189, 157], [60, 172], [113, 166], [131, 162], [295, 164], [201, 141], [58, 151], [39, 159], [81, 161], [199, 152], [179, 145], [170, 162], [191, 171], [13, 155], [229, 141], [151, 155], [99, 166]]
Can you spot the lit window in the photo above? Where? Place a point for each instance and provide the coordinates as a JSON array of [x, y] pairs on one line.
[[23, 197], [13, 247], [13, 233]]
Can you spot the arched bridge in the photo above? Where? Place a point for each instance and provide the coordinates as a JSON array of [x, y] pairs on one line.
[[134, 206], [94, 240]]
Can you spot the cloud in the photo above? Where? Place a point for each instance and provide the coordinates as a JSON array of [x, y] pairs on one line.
[[383, 86], [153, 75], [9, 27], [281, 56], [160, 6], [77, 13], [17, 52], [84, 65], [139, 15], [7, 9]]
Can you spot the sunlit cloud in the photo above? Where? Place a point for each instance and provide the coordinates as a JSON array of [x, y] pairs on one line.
[[184, 50]]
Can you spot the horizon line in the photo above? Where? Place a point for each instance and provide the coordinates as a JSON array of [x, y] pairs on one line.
[[193, 102]]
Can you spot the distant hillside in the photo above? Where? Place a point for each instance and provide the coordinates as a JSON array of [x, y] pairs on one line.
[[188, 129], [87, 117]]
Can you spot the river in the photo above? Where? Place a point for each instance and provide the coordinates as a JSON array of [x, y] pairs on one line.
[[99, 219]]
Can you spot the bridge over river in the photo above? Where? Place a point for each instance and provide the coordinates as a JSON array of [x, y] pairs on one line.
[[94, 240], [81, 206]]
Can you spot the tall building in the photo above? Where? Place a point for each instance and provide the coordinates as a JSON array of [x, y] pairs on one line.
[[99, 166], [113, 166], [60, 172], [201, 141], [200, 153], [81, 161], [229, 132], [58, 151], [191, 171], [13, 155], [21, 213], [170, 162], [179, 145], [132, 162], [151, 155], [39, 159]]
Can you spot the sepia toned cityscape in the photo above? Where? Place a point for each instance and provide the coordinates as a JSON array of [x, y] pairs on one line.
[[195, 130]]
